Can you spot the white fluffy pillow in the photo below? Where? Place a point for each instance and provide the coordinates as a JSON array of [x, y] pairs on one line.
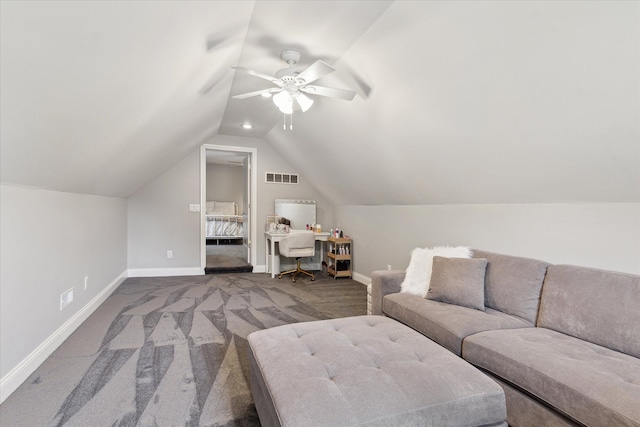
[[418, 273]]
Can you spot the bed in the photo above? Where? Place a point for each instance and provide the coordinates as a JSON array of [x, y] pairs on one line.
[[223, 221]]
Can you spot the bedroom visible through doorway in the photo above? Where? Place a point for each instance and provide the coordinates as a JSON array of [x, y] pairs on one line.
[[227, 229]]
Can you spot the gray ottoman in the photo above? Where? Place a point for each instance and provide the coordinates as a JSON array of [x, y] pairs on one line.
[[366, 370]]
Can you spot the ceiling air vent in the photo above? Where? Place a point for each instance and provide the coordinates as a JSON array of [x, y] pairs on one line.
[[281, 178]]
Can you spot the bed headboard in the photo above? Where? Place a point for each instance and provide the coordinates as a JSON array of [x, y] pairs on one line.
[[221, 208]]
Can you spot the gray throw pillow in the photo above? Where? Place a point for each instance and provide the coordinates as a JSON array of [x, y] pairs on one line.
[[458, 281]]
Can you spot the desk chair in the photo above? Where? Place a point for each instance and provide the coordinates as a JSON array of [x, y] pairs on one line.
[[298, 244]]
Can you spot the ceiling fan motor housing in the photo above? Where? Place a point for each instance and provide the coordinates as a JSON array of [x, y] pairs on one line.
[[287, 74], [290, 56]]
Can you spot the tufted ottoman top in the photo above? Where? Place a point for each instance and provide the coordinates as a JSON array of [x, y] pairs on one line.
[[366, 370]]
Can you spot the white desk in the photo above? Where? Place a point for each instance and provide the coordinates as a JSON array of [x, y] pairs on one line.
[[270, 241]]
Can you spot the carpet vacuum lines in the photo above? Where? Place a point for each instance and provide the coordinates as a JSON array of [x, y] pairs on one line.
[[171, 351]]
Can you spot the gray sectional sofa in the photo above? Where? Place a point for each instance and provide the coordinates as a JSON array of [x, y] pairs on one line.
[[562, 341]]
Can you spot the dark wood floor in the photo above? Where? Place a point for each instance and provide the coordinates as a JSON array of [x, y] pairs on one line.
[[340, 297]]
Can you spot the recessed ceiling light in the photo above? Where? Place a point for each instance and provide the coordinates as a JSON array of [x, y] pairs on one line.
[[266, 94], [247, 126]]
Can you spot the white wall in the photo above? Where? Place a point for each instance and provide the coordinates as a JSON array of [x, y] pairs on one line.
[[159, 220], [50, 242], [225, 184], [599, 235]]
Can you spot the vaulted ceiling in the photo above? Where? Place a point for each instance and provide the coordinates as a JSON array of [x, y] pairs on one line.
[[457, 102]]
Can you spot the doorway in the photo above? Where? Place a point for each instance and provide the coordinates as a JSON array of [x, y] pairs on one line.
[[228, 196]]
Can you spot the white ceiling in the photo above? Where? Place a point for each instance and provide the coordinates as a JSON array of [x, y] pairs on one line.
[[458, 102]]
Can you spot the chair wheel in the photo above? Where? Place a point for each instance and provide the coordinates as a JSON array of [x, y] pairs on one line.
[[313, 278]]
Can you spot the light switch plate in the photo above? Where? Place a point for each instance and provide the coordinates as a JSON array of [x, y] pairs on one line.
[[65, 298], [194, 207]]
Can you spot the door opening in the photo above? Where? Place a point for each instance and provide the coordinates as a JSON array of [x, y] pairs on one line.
[[227, 216]]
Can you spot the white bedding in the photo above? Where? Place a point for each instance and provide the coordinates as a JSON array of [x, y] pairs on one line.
[[223, 220], [224, 226]]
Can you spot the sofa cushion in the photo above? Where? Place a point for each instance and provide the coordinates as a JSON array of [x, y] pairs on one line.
[[418, 273], [595, 305], [446, 324], [513, 284], [590, 383], [458, 281], [522, 410]]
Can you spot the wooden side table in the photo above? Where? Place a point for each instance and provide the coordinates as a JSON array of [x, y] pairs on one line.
[[340, 251]]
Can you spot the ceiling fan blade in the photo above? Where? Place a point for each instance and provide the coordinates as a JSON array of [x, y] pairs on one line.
[[315, 71], [256, 93], [262, 76], [331, 92]]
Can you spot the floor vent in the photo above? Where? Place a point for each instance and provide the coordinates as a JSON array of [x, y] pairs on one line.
[[281, 178]]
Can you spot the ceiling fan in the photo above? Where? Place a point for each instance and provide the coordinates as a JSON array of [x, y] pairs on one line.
[[291, 84]]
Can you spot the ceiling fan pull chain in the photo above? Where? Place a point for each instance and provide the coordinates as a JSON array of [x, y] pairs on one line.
[[284, 121]]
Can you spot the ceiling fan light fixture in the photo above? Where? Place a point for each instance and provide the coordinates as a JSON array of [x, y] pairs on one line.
[[288, 109], [284, 102], [291, 83], [304, 101]]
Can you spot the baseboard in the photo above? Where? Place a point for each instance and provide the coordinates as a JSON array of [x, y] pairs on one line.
[[165, 272], [260, 268], [361, 278], [16, 376]]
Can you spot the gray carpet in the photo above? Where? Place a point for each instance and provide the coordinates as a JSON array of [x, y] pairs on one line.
[[226, 255], [227, 259], [171, 351]]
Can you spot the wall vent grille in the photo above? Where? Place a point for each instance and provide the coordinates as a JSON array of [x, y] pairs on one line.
[[281, 178]]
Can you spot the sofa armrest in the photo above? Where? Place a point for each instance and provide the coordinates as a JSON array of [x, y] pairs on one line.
[[384, 282]]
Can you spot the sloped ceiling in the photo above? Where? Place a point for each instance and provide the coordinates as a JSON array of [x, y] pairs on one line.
[[483, 102], [458, 102], [101, 97]]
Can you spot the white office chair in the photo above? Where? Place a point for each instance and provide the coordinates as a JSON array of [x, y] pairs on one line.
[[298, 244]]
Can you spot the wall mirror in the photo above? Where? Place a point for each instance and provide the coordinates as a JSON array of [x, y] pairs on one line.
[[299, 212]]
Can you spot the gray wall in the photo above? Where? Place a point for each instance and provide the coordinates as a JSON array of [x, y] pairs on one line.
[[159, 219], [225, 184], [50, 242], [600, 235]]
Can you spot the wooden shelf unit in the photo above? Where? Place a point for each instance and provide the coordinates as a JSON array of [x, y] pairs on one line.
[[334, 245]]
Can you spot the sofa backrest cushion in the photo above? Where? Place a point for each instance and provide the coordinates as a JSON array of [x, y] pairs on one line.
[[602, 307], [458, 281], [513, 284]]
